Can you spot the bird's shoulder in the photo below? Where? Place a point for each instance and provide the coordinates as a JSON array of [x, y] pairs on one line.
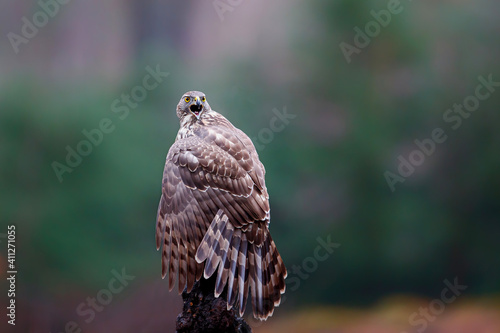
[[214, 133]]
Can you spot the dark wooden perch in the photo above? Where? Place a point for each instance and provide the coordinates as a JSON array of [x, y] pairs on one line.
[[203, 313]]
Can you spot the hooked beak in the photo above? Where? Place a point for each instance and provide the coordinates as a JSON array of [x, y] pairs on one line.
[[196, 107]]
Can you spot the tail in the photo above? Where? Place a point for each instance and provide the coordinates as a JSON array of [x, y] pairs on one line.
[[243, 265]]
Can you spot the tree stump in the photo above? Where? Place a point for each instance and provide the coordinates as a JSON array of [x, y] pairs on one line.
[[204, 313]]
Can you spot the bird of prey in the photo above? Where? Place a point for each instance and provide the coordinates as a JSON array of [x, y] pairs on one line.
[[213, 216]]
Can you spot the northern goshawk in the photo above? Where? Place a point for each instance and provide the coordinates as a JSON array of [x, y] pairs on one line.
[[213, 216]]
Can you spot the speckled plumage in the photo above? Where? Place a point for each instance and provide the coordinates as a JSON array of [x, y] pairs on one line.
[[214, 213]]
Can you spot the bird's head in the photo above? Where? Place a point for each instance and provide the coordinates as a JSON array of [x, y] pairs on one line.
[[192, 105]]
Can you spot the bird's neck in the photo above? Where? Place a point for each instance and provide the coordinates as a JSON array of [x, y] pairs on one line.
[[184, 132], [188, 124]]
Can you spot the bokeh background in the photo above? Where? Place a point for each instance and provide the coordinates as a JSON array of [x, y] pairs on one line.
[[325, 168]]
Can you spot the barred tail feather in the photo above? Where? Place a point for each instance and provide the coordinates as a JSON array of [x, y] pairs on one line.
[[233, 274], [174, 257], [166, 252], [243, 273], [183, 254], [209, 240], [269, 275], [243, 266], [222, 274], [252, 280], [219, 239], [269, 289]]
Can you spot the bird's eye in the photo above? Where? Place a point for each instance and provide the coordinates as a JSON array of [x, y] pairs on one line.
[[187, 99], [203, 99]]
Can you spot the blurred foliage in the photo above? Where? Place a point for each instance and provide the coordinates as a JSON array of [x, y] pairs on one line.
[[325, 170]]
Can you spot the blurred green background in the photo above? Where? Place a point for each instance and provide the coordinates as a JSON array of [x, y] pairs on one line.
[[325, 168]]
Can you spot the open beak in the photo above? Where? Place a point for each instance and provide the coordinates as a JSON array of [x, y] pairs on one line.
[[196, 107]]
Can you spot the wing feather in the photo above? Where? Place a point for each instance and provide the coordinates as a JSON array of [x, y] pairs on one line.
[[233, 274], [213, 216]]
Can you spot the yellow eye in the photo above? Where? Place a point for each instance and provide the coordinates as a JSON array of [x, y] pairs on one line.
[[203, 99], [187, 99]]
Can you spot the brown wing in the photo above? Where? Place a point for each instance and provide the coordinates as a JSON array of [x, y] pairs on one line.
[[225, 169], [181, 224], [199, 179], [214, 181]]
